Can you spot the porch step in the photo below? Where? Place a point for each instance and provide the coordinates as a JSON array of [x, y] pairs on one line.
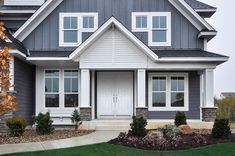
[[115, 125], [112, 128]]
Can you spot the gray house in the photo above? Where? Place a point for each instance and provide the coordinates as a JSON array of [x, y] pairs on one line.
[[113, 59]]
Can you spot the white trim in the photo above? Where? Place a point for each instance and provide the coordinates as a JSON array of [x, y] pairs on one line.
[[36, 19], [205, 44], [85, 89], [48, 58], [192, 59], [168, 92], [79, 29], [23, 2], [205, 10], [141, 88], [149, 28], [112, 22], [207, 33], [14, 51], [12, 72], [18, 11]]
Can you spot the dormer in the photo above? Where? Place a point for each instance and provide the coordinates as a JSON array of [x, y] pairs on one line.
[[23, 2]]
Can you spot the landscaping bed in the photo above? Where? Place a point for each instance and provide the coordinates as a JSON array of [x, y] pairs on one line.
[[187, 141], [30, 135]]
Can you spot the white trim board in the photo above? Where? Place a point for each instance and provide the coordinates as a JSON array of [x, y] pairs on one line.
[[18, 11]]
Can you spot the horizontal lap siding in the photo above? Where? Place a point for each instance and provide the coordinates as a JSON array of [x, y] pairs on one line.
[[46, 36], [194, 101], [24, 78]]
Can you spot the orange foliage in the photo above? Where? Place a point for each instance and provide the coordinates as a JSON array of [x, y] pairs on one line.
[[7, 99]]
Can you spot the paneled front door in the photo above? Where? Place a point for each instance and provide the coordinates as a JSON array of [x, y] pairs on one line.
[[114, 94]]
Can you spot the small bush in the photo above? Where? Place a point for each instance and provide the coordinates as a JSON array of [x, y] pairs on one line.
[[43, 123], [76, 119], [171, 131], [16, 125], [138, 126], [180, 119], [221, 128]]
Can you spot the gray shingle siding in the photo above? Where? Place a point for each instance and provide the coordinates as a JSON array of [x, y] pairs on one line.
[[24, 78], [194, 101], [46, 36]]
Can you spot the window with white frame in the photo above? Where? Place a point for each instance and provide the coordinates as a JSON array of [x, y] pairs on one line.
[[168, 92], [71, 88], [157, 24], [72, 25]]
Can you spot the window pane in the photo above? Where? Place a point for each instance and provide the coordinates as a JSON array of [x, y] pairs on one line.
[[138, 22], [159, 36], [75, 85], [163, 22], [66, 22], [71, 100], [91, 22], [141, 21], [52, 73], [74, 73], [177, 84], [156, 21], [174, 84], [144, 21], [180, 84], [74, 23], [67, 73], [177, 99], [159, 99], [159, 84], [55, 85], [52, 100], [70, 36], [48, 83], [67, 85], [88, 22]]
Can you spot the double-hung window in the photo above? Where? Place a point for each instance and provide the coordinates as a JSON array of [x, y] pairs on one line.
[[157, 24], [72, 25], [168, 92]]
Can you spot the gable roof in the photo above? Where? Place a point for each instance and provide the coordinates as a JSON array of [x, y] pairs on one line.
[[112, 22], [197, 5]]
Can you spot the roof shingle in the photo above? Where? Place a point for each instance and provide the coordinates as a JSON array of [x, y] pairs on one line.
[[198, 5]]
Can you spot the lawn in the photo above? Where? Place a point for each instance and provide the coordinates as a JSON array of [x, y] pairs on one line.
[[113, 150]]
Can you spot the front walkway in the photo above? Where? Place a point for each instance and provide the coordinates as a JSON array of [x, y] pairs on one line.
[[93, 138]]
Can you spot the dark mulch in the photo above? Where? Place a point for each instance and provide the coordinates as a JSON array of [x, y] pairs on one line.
[[30, 135], [182, 143]]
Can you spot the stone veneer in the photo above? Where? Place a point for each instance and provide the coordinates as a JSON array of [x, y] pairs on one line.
[[85, 114], [3, 126], [142, 112], [208, 114]]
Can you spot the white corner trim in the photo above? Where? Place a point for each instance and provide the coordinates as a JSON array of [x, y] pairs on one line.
[[112, 22], [48, 58], [36, 19], [18, 11], [192, 59]]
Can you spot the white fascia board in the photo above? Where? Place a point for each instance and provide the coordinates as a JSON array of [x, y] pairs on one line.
[[205, 10], [193, 59], [113, 22], [48, 58], [207, 33], [18, 11], [36, 19], [17, 52]]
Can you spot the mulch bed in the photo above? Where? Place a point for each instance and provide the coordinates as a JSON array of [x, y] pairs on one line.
[[199, 138], [30, 135]]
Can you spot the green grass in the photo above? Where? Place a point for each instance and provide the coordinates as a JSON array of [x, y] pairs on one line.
[[113, 150]]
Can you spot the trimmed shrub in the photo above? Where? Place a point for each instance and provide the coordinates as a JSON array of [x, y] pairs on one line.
[[16, 125], [221, 128], [171, 131], [76, 119], [138, 126], [43, 123], [180, 119]]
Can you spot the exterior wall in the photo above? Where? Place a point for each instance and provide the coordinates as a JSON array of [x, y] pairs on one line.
[[194, 101], [24, 78], [46, 36]]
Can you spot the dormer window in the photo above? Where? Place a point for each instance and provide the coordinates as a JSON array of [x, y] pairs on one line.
[[72, 25], [157, 24]]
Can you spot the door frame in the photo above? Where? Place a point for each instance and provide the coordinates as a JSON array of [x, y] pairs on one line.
[[96, 82]]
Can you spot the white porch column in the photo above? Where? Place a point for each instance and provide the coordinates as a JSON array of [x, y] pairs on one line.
[[208, 88], [85, 88], [141, 88]]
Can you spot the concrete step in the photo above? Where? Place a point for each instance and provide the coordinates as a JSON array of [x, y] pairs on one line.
[[112, 128]]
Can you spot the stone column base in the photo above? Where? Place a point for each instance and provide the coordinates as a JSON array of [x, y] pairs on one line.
[[85, 114], [208, 114], [3, 127], [142, 112]]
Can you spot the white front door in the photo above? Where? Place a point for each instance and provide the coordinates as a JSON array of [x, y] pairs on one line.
[[114, 94]]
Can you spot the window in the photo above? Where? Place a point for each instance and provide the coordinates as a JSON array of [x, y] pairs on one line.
[[157, 24], [168, 92], [72, 25], [52, 88], [70, 88]]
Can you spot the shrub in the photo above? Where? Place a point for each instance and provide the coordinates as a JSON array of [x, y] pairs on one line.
[[221, 128], [76, 118], [171, 131], [16, 125], [43, 123], [180, 119], [199, 139], [138, 126]]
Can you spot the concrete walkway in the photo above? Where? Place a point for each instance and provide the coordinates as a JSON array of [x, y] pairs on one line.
[[93, 138]]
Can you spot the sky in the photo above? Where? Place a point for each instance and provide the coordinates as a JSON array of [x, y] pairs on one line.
[[224, 43]]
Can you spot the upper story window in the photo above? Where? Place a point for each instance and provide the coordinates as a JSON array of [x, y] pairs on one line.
[[72, 25], [157, 24], [23, 2]]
